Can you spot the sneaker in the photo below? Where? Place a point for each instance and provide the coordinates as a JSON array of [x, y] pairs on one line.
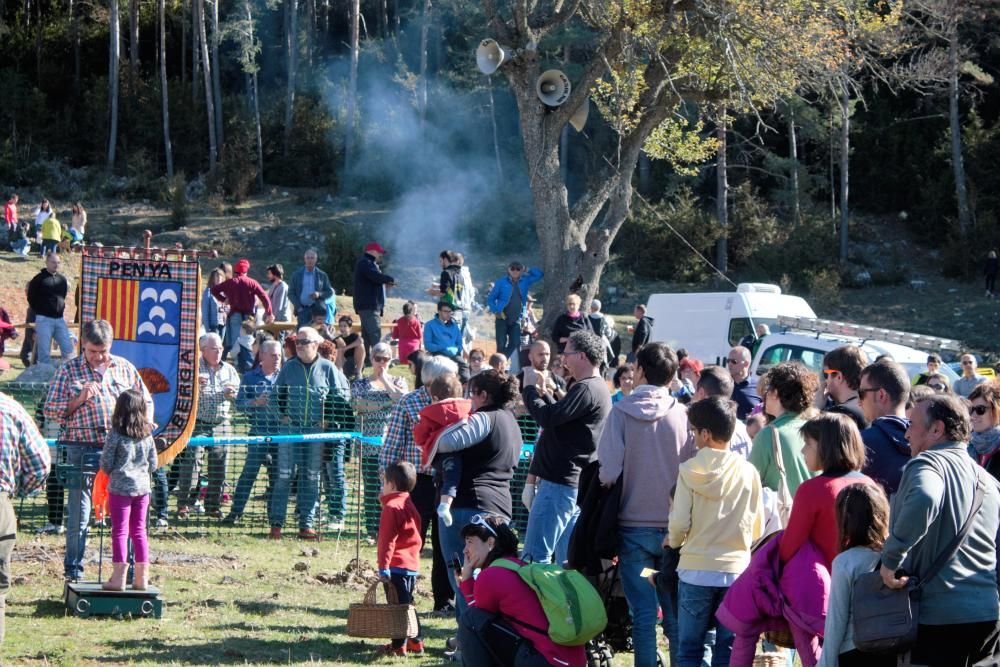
[[414, 646], [444, 611], [231, 520], [183, 512], [199, 507], [454, 656], [162, 523], [308, 534], [52, 529], [389, 649], [275, 533], [451, 643]]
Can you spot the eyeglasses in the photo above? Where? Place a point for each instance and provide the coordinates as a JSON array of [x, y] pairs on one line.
[[303, 343], [480, 520], [830, 373], [734, 361], [381, 360], [980, 409], [477, 359], [862, 391], [937, 386]]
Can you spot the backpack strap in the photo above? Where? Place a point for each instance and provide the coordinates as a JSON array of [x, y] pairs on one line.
[[959, 539], [507, 564]]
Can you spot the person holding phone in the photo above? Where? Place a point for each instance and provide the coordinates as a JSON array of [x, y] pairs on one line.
[[504, 623]]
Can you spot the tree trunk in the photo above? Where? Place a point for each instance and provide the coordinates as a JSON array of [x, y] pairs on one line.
[[75, 18], [310, 32], [793, 156], [216, 83], [292, 45], [955, 124], [195, 52], [645, 171], [213, 150], [832, 173], [164, 92], [256, 105], [496, 133], [38, 43], [133, 42], [722, 196], [352, 85], [845, 164], [425, 27], [184, 35], [114, 56]]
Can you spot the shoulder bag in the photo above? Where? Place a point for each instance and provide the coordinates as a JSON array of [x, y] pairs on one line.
[[885, 619], [783, 506]]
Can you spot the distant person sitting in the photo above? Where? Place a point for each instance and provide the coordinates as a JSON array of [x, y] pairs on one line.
[[350, 348], [443, 336]]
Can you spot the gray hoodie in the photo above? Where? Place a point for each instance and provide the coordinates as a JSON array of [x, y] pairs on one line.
[[645, 440]]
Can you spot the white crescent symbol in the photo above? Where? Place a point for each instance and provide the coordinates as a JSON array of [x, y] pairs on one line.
[[147, 326], [167, 330], [157, 311], [168, 295], [148, 293]]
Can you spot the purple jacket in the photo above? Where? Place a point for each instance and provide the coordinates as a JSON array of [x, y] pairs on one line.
[[768, 597]]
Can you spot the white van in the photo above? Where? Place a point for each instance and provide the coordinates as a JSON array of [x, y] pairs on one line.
[[708, 324]]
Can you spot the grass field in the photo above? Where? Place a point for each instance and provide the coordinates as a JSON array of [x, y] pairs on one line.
[[232, 601]]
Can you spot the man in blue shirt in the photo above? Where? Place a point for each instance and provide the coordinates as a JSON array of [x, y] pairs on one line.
[[443, 336], [508, 300], [308, 285]]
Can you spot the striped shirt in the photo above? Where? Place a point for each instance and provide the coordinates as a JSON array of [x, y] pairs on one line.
[[24, 455], [91, 422], [398, 444]]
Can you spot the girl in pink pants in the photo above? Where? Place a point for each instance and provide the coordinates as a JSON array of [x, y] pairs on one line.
[[129, 459]]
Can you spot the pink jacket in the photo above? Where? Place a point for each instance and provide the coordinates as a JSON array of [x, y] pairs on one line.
[[768, 597]]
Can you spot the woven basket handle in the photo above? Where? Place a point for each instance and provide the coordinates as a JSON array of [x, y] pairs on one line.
[[390, 593]]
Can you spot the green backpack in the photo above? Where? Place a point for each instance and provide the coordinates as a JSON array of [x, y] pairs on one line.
[[572, 606]]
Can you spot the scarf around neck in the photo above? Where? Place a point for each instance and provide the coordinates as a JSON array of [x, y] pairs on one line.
[[986, 442]]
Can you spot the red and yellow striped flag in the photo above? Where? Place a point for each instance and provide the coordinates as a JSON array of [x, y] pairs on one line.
[[118, 303]]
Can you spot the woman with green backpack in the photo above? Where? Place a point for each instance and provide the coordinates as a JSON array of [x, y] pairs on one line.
[[504, 624]]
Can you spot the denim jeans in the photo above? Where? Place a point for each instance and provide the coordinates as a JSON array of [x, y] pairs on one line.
[[640, 548], [696, 612], [550, 523], [336, 483], [452, 546], [306, 458], [232, 333], [21, 247], [508, 334], [189, 483], [257, 456], [161, 492], [47, 328], [78, 509]]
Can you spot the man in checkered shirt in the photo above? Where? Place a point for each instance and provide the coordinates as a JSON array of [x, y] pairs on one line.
[[81, 400], [24, 465], [398, 445]]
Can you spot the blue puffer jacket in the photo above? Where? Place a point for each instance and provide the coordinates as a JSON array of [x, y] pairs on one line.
[[887, 451], [369, 285], [314, 396], [441, 338], [500, 294]]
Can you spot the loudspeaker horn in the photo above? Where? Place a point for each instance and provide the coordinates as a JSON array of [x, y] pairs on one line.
[[489, 56], [553, 88], [579, 118]]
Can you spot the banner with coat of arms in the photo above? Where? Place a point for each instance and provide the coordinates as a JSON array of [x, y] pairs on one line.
[[152, 303]]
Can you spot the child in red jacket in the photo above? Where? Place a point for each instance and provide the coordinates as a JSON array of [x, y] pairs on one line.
[[399, 545], [447, 408]]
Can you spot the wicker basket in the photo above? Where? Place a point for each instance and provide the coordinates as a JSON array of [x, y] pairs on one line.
[[782, 638], [373, 620]]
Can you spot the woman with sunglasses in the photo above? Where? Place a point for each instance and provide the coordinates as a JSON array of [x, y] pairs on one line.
[[984, 414], [490, 445], [373, 396], [504, 624]]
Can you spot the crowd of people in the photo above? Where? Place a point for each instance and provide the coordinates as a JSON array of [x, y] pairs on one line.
[[744, 506]]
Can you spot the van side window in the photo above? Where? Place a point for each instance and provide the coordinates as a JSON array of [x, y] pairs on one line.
[[810, 358], [739, 328]]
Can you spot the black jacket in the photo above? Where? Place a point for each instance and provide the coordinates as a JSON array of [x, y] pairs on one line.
[[642, 333], [47, 294], [369, 285], [596, 533], [886, 451]]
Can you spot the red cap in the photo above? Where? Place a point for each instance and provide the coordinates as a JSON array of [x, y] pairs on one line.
[[242, 266], [374, 247]]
